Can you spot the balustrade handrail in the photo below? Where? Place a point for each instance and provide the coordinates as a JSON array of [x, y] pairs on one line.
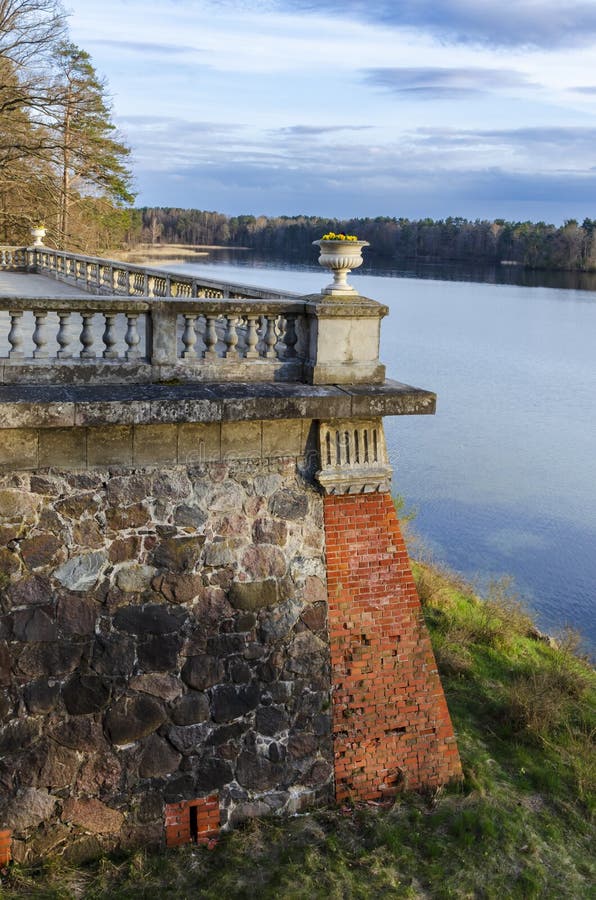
[[181, 305]]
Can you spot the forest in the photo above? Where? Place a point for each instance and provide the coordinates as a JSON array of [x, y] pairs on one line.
[[62, 163], [536, 245]]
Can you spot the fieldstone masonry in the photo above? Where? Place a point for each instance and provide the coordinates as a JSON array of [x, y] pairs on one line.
[[206, 607], [162, 637]]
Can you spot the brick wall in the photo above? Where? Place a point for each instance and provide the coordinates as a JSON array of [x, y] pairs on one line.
[[5, 841], [192, 821], [391, 725]]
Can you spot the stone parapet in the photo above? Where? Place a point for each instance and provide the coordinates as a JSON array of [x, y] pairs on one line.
[[173, 326], [63, 406]]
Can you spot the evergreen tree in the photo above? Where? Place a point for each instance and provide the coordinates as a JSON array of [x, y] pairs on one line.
[[88, 155]]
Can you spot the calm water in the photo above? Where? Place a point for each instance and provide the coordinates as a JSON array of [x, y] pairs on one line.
[[504, 476]]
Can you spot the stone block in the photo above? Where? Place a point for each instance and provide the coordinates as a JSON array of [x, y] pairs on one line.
[[93, 816], [109, 446], [158, 758], [18, 449], [253, 595], [199, 443], [191, 709], [63, 447], [154, 444], [81, 572], [241, 440], [85, 694], [282, 438], [29, 808], [132, 718]]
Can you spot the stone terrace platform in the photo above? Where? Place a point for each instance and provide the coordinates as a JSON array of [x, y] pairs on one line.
[[23, 284]]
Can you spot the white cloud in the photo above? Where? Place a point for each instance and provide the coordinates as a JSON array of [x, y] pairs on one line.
[[268, 92]]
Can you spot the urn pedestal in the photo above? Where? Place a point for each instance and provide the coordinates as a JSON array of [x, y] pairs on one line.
[[341, 257], [38, 233]]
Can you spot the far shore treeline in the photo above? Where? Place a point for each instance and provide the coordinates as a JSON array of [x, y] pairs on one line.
[[533, 244]]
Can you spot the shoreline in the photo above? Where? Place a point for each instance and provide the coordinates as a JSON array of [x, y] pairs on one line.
[[165, 253]]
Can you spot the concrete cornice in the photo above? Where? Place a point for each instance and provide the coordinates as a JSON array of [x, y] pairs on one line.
[[64, 406]]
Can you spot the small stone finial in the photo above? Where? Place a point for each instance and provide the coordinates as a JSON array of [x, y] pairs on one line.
[[341, 254]]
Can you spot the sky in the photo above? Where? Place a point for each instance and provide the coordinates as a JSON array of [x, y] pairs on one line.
[[415, 108]]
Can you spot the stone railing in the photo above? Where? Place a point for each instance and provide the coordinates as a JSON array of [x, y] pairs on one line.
[[123, 340], [107, 276], [14, 259], [153, 326]]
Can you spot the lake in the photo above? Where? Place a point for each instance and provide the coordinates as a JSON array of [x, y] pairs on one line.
[[503, 478]]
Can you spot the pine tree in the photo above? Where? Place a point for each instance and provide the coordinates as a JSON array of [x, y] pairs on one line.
[[88, 155]]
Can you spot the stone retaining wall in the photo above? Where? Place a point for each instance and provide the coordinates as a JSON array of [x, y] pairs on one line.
[[162, 637]]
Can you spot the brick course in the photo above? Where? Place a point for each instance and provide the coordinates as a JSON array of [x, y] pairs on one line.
[[391, 725]]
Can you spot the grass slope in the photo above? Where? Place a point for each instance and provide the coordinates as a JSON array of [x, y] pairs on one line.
[[521, 825]]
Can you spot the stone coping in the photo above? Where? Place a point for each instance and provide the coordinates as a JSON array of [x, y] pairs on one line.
[[66, 406]]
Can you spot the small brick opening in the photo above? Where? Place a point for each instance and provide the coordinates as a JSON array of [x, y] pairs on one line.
[[192, 821]]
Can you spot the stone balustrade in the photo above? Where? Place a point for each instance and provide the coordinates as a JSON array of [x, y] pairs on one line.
[[96, 275], [113, 340], [14, 259], [178, 327]]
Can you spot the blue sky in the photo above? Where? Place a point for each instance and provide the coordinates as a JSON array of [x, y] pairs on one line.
[[413, 108]]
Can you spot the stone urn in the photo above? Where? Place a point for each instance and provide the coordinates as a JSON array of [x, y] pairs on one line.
[[341, 257], [38, 232]]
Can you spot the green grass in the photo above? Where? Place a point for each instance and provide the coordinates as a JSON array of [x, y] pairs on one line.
[[520, 825]]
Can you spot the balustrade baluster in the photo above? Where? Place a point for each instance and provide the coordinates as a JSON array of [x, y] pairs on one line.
[[290, 336], [270, 338], [40, 335], [252, 338], [64, 336], [15, 336], [151, 286], [132, 337], [210, 338], [86, 337], [109, 336], [231, 338], [130, 284], [189, 337]]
